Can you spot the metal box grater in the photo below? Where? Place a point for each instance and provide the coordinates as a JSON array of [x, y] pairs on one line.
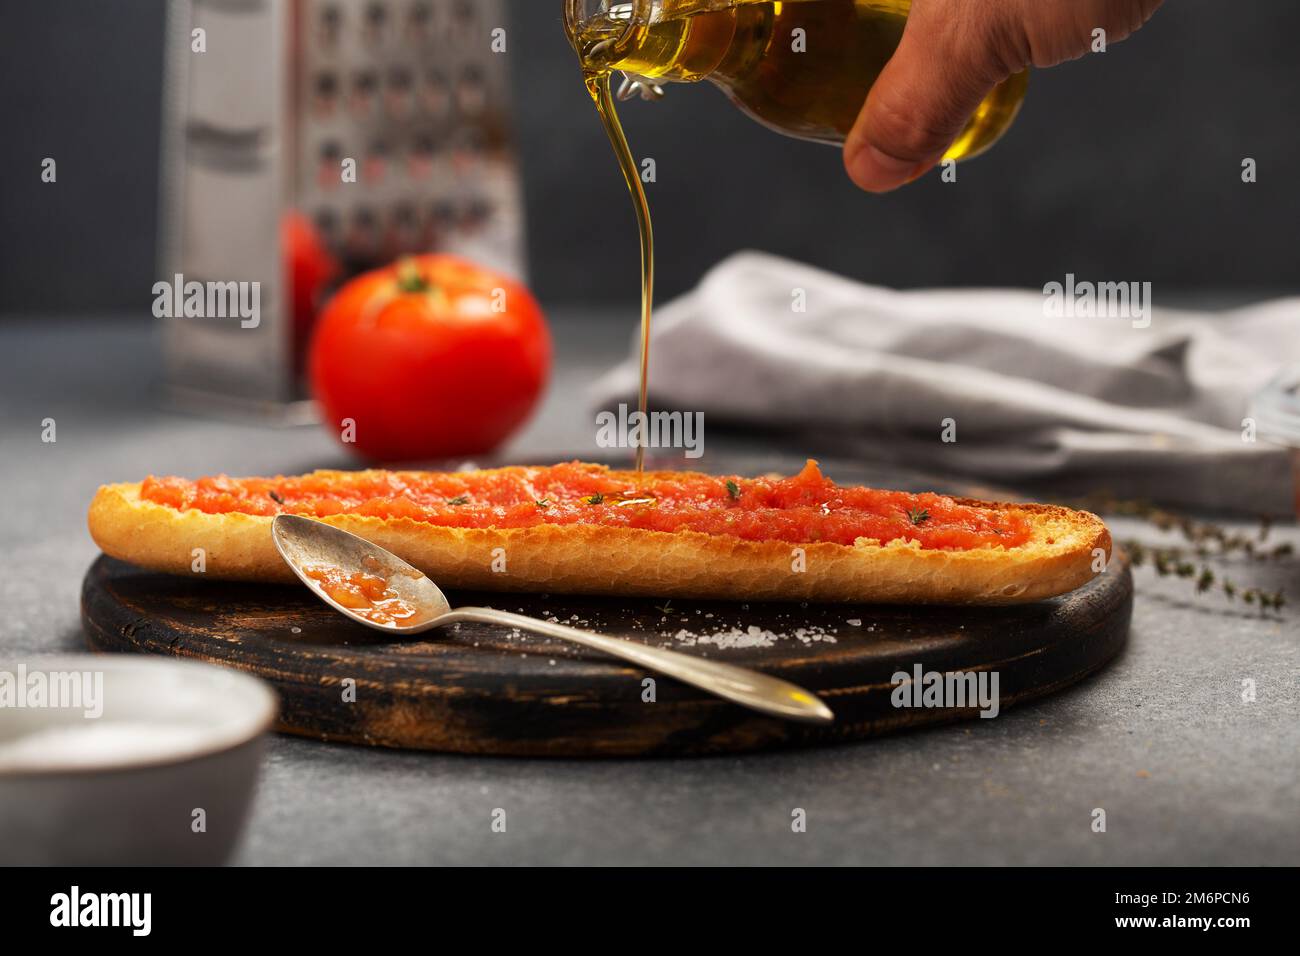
[[256, 129]]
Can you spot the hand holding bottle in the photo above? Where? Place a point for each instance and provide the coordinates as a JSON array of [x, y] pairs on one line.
[[953, 52]]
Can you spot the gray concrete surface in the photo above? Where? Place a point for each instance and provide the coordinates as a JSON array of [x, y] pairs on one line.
[[1187, 772]]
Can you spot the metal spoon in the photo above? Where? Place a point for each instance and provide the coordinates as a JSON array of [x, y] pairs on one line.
[[307, 544]]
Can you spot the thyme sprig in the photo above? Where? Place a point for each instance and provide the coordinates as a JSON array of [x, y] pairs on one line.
[[1174, 562], [1207, 538], [1206, 541]]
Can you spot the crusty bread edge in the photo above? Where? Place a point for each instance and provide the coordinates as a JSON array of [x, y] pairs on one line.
[[596, 559]]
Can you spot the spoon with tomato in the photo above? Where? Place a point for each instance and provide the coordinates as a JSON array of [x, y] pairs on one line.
[[378, 589]]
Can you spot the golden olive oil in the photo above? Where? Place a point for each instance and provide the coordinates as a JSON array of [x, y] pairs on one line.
[[800, 67], [598, 87]]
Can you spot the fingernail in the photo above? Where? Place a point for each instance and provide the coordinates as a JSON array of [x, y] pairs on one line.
[[879, 172]]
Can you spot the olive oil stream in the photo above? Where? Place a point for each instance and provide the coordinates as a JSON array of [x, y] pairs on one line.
[[598, 85], [747, 48]]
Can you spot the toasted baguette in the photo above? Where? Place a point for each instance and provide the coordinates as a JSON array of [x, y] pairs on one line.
[[595, 559]]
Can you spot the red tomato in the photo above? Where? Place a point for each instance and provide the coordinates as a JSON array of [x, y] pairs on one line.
[[430, 357]]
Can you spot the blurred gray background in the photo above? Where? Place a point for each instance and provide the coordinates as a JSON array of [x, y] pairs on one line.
[[1124, 165]]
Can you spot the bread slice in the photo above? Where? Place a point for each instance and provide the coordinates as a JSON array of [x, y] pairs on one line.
[[1065, 551]]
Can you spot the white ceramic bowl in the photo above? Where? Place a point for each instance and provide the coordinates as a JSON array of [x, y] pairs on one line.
[[161, 772]]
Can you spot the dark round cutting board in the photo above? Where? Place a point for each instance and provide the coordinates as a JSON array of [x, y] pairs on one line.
[[481, 689]]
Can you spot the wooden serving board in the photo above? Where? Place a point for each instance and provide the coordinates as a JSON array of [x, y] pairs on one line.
[[482, 689]]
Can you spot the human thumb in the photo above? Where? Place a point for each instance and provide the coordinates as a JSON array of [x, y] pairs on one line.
[[924, 97]]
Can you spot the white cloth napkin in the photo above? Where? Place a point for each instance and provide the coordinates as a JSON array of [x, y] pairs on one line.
[[1142, 412]]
